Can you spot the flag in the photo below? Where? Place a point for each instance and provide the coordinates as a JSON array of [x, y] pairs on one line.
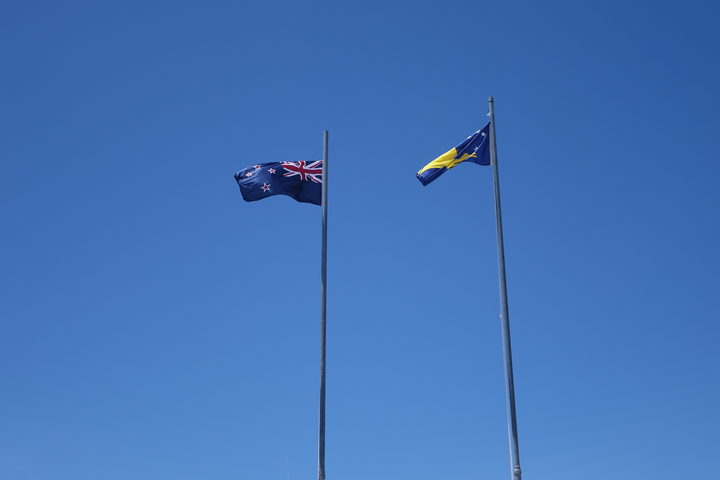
[[474, 149], [299, 180]]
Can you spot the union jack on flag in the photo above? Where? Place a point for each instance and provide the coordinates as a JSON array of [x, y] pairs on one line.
[[306, 170], [299, 180]]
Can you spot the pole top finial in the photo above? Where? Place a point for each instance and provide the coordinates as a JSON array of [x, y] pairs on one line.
[[490, 99]]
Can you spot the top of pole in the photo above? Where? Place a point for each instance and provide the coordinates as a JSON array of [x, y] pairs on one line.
[[490, 99]]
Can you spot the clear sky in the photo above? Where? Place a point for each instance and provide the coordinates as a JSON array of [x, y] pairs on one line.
[[155, 326]]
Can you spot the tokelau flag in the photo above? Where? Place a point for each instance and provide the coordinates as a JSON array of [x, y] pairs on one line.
[[474, 149], [481, 148], [299, 180]]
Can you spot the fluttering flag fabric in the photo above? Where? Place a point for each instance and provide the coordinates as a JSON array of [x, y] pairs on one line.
[[299, 180], [474, 149]]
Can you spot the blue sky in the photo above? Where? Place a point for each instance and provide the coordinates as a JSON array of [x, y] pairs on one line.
[[156, 326]]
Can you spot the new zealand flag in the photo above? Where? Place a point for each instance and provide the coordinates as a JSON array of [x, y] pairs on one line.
[[299, 180]]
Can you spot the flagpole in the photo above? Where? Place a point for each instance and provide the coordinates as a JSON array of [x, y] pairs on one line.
[[323, 310], [504, 314]]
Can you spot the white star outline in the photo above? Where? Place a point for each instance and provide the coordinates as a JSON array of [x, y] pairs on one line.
[[477, 147], [265, 187], [271, 170]]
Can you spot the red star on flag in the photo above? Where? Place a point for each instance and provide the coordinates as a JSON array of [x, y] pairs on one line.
[[265, 187]]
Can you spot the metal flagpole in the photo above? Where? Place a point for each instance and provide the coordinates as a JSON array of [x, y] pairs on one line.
[[323, 310], [504, 315]]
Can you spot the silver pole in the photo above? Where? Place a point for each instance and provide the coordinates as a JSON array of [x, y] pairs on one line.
[[323, 310], [504, 314]]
